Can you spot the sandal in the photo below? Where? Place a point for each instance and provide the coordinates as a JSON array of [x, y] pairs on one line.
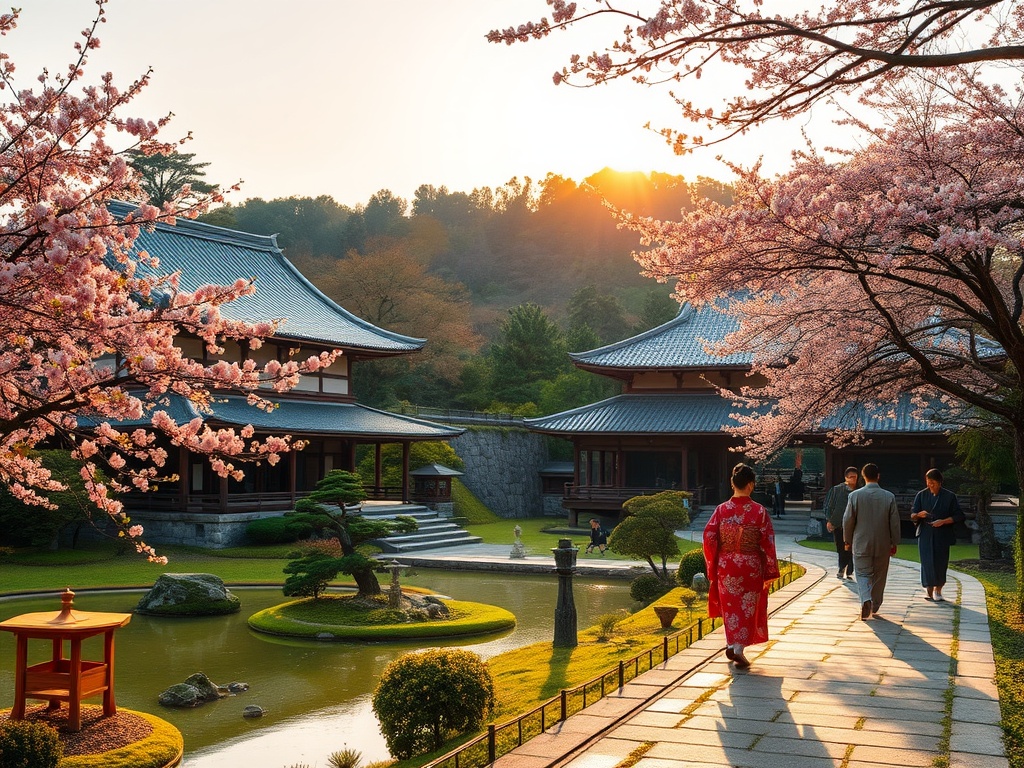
[[740, 661]]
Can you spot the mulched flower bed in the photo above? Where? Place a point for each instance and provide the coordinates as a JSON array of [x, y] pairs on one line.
[[98, 734]]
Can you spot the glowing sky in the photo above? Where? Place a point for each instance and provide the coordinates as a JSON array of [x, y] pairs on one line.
[[347, 97]]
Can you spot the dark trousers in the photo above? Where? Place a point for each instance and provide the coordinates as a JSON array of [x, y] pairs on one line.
[[845, 555]]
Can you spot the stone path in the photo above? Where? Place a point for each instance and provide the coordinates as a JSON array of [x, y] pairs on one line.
[[827, 690]]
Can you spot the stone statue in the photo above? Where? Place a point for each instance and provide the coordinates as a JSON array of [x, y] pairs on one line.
[[518, 550]]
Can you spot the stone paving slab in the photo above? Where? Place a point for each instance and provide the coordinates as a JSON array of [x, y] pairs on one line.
[[828, 689]]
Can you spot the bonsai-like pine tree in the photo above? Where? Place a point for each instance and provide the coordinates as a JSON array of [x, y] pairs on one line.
[[649, 530], [310, 574]]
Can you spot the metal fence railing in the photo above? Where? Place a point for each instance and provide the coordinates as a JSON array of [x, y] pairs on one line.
[[500, 739]]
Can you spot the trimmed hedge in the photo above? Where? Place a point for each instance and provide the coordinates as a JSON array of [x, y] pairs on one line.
[[312, 619], [278, 530], [690, 565]]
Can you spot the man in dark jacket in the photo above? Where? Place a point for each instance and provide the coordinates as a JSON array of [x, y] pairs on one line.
[[834, 507]]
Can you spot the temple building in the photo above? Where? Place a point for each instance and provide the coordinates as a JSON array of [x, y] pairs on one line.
[[668, 429], [203, 508]]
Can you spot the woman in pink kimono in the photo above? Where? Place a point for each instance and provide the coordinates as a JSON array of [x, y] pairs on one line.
[[739, 550]]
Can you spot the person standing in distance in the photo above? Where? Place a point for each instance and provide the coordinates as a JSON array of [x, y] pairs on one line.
[[871, 530], [834, 507], [935, 511]]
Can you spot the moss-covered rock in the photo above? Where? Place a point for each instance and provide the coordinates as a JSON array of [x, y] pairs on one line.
[[188, 594]]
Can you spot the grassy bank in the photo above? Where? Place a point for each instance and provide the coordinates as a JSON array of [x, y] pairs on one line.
[[541, 534]]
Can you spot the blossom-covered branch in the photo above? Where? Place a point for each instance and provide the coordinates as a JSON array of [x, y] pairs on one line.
[[88, 324], [790, 60]]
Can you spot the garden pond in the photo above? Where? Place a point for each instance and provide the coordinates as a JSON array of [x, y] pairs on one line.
[[316, 694]]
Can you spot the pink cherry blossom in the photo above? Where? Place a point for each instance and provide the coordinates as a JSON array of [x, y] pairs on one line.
[[82, 347]]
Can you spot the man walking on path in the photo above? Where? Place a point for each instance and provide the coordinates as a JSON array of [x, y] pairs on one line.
[[871, 530], [834, 507]]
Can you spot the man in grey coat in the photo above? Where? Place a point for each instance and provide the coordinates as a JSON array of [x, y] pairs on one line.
[[871, 530]]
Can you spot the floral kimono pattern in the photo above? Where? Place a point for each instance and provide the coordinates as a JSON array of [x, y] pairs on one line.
[[739, 550]]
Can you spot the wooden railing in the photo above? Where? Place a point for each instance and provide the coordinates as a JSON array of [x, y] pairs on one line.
[[500, 739]]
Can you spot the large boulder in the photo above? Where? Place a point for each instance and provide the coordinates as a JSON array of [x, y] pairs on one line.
[[197, 689], [188, 594]]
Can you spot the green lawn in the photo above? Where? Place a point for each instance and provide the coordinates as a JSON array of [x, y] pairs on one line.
[[99, 566], [538, 540]]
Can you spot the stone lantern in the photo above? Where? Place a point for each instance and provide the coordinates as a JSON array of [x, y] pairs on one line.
[[565, 609]]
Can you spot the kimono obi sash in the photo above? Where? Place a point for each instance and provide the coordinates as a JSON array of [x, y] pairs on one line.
[[745, 539]]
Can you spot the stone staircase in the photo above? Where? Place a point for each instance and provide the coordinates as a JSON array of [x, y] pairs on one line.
[[434, 532]]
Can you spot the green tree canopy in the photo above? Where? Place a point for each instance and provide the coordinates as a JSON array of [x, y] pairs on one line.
[[165, 176], [312, 571], [649, 530], [531, 350]]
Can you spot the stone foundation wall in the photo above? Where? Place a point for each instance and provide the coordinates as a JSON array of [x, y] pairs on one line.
[[503, 468], [212, 531]]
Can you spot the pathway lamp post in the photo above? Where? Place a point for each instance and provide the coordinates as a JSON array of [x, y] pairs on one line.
[[565, 609]]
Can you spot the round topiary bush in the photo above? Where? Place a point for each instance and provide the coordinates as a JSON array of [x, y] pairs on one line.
[[423, 699], [648, 587], [25, 744], [690, 565]]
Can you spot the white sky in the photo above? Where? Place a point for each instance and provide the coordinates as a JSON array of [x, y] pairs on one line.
[[347, 97]]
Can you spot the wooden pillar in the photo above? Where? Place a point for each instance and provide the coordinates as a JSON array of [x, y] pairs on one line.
[[184, 477], [684, 474], [376, 466], [222, 495], [405, 471], [293, 476]]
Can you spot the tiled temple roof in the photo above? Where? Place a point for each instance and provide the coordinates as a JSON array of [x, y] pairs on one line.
[[206, 255], [307, 417], [679, 343], [695, 413]]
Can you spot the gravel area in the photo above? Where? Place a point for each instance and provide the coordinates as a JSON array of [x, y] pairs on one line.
[[98, 734]]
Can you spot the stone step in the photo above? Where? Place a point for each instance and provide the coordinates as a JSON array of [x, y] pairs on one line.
[[391, 546]]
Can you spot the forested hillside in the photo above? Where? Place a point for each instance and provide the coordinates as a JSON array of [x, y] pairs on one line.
[[502, 282]]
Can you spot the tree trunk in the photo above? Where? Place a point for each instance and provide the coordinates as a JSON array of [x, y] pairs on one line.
[[988, 547], [365, 578], [367, 582]]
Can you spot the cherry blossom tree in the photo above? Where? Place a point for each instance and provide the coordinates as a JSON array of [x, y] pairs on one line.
[[87, 325], [892, 271], [789, 59]]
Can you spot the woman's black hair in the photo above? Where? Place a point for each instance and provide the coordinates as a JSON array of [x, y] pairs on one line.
[[934, 474], [742, 476]]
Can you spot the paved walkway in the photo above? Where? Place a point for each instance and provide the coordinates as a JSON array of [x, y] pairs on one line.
[[827, 690]]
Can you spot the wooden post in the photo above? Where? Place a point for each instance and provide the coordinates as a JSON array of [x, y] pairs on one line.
[[293, 476], [184, 477], [376, 467], [405, 471]]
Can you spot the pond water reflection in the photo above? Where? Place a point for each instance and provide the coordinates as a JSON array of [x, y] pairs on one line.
[[316, 694]]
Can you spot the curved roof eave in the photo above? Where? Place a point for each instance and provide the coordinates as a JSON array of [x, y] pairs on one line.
[[350, 331]]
